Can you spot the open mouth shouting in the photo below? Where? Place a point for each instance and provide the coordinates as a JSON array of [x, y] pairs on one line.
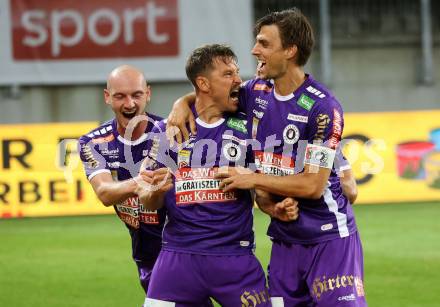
[[260, 66], [234, 95], [129, 114]]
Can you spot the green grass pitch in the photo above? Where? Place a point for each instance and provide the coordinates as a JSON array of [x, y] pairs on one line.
[[86, 261]]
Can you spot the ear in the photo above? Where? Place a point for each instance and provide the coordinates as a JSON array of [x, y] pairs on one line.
[[203, 84], [148, 93], [291, 52], [107, 96]]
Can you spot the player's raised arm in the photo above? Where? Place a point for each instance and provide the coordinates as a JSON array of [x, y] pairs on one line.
[[179, 117]]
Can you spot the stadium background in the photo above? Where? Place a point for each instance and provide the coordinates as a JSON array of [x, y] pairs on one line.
[[381, 59]]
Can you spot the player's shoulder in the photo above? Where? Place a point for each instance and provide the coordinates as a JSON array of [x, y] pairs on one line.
[[159, 126], [318, 96], [102, 134], [154, 118], [257, 85]]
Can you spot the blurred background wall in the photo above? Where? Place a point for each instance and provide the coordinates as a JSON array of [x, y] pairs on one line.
[[375, 55]]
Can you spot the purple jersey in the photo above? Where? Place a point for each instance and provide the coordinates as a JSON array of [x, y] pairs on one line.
[[202, 219], [284, 125], [104, 150]]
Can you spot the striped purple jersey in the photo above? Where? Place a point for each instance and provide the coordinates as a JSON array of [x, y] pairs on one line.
[[103, 150], [283, 126]]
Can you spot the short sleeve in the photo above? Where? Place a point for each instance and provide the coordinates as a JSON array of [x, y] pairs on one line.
[[93, 161]]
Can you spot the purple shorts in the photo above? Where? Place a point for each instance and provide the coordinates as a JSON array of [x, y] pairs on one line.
[[325, 274], [182, 279], [145, 267]]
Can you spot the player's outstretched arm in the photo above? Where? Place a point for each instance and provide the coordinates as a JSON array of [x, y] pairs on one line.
[[349, 186], [178, 118], [285, 210], [112, 192], [153, 186]]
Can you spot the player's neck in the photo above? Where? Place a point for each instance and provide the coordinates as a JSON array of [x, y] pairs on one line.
[[137, 132], [290, 81], [207, 110]]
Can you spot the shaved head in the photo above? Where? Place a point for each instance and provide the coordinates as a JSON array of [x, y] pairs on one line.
[[125, 72], [127, 93]]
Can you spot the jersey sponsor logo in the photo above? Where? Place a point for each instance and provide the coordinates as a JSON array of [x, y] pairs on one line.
[[261, 103], [316, 92], [359, 285], [322, 120], [234, 138], [198, 186], [319, 156], [237, 124], [254, 297], [350, 297], [305, 102], [337, 129], [150, 217], [262, 87], [326, 227], [111, 153], [258, 114], [274, 164], [183, 158], [104, 139], [324, 284], [91, 162], [291, 134], [114, 164], [232, 152], [297, 118], [128, 211]]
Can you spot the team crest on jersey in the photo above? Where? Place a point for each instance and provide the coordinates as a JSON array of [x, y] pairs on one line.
[[232, 152], [291, 134]]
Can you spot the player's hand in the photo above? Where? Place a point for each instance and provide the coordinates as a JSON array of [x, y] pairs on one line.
[[158, 181], [237, 181], [177, 120], [286, 210]]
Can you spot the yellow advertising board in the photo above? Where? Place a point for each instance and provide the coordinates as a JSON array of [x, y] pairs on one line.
[[41, 174], [395, 155]]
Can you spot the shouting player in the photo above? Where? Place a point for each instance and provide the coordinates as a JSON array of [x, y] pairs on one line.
[[111, 155], [208, 239]]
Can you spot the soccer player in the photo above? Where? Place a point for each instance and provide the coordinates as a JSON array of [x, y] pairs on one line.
[[208, 239], [316, 260], [111, 155]]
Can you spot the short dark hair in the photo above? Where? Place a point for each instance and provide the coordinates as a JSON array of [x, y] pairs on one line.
[[294, 28], [201, 60]]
